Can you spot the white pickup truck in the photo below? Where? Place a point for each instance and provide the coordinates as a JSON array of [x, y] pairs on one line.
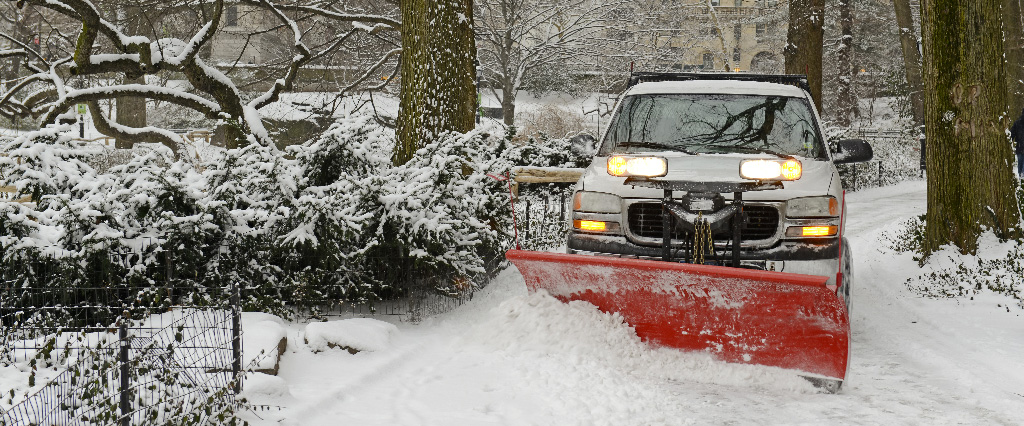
[[722, 169]]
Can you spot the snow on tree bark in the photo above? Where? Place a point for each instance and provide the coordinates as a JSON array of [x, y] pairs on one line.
[[847, 102], [970, 181], [1014, 28], [438, 73], [804, 42]]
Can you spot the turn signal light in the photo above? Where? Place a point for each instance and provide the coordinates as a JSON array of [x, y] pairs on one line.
[[590, 225], [812, 231]]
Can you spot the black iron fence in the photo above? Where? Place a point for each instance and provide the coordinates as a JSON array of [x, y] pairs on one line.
[[897, 158], [543, 220]]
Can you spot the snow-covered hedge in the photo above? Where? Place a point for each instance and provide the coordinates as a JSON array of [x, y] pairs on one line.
[[328, 219]]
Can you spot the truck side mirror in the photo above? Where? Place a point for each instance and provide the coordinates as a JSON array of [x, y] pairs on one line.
[[584, 145], [853, 151]]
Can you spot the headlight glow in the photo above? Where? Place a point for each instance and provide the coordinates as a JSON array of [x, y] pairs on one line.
[[637, 166], [788, 169]]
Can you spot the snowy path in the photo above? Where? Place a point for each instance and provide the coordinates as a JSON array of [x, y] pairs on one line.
[[512, 359]]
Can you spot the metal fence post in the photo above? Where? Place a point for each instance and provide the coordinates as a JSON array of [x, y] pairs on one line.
[[527, 220], [561, 215], [236, 337], [855, 176], [126, 409], [880, 174]]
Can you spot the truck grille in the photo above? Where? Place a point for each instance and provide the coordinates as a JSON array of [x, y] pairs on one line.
[[645, 221]]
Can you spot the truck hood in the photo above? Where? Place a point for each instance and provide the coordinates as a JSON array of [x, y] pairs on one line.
[[816, 180]]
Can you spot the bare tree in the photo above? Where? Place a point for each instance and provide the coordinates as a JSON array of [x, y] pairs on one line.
[[911, 57], [518, 39]]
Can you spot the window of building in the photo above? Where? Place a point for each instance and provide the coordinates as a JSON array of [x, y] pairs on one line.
[[231, 16], [737, 32], [759, 29], [736, 56], [709, 61], [739, 3], [716, 2]]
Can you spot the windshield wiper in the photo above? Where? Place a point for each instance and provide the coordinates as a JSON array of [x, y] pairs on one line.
[[748, 149], [653, 145]]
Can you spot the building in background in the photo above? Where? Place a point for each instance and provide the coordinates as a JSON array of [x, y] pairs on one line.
[[723, 35]]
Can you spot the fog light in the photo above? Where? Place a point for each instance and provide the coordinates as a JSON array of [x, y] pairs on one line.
[[637, 166], [771, 169]]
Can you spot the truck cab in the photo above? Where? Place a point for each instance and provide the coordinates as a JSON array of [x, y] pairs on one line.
[[707, 129]]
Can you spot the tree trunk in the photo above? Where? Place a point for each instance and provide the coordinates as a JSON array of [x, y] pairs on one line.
[[911, 57], [970, 182], [131, 112], [804, 42], [847, 102], [1014, 29], [508, 104], [438, 92]]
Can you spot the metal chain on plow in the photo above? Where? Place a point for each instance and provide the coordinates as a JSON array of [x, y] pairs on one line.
[[702, 242]]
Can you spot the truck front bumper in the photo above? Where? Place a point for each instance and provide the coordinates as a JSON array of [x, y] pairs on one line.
[[800, 257]]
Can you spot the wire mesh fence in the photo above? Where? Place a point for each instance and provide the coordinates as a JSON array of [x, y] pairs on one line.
[[161, 343], [179, 367]]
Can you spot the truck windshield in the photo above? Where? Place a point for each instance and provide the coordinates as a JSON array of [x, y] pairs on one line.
[[719, 124]]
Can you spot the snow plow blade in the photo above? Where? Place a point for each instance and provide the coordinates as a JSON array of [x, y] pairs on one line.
[[744, 316]]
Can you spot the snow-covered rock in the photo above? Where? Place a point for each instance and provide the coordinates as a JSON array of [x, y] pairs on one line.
[[354, 335], [264, 341]]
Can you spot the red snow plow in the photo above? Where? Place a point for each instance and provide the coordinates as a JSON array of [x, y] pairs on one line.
[[707, 302], [738, 315]]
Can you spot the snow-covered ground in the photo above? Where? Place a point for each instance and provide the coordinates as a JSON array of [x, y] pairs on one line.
[[509, 358]]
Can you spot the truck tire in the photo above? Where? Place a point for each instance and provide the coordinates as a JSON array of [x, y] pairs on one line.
[[847, 268]]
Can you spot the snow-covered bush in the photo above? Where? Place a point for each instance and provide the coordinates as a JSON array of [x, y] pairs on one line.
[[331, 219], [540, 151], [998, 268]]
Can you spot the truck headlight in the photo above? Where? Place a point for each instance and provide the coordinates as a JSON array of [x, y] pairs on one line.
[[826, 206], [596, 202], [783, 169], [622, 166]]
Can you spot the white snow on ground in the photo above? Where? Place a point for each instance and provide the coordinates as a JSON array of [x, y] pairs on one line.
[[510, 358]]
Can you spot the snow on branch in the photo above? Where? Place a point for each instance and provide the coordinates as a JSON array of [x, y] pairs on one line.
[[112, 46]]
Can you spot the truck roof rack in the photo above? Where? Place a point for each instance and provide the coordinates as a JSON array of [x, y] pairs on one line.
[[797, 80]]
